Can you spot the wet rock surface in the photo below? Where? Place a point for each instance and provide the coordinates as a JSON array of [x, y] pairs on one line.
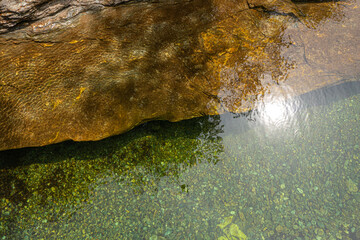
[[46, 15], [16, 14], [110, 70]]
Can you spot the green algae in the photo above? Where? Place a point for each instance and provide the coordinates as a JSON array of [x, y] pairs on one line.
[[206, 178]]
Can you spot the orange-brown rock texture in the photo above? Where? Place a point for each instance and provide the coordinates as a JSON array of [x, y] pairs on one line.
[[106, 70]]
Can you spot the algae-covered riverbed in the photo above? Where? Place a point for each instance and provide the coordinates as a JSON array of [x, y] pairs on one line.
[[271, 174]]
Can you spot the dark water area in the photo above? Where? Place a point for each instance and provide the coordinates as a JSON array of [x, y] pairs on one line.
[[288, 170]]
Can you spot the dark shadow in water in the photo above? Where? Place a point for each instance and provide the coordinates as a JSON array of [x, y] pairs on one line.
[[193, 128]]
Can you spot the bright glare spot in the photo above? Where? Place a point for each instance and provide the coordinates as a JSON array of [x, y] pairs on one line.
[[278, 113], [274, 112], [278, 117]]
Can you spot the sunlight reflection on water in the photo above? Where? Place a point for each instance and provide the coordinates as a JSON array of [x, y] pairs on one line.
[[275, 113]]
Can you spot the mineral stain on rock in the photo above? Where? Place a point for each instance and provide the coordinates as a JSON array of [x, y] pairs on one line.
[[112, 69]]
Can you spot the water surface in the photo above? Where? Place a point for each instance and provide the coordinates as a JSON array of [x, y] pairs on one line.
[[287, 171]]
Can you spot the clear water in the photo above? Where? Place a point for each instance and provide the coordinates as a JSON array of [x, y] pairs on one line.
[[289, 170]]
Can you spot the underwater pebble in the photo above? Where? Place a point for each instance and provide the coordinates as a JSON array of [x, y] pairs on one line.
[[352, 186], [319, 231], [279, 228]]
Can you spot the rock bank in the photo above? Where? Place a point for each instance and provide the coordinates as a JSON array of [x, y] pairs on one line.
[[110, 69]]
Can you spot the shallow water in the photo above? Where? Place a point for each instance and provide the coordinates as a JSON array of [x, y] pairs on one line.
[[287, 171]]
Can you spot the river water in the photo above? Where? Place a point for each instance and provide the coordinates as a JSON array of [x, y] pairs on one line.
[[288, 169]]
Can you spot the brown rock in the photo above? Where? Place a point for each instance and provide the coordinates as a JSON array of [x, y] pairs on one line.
[[16, 14], [113, 69]]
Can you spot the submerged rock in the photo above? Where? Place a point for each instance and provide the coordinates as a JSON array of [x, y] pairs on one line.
[[107, 71]]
